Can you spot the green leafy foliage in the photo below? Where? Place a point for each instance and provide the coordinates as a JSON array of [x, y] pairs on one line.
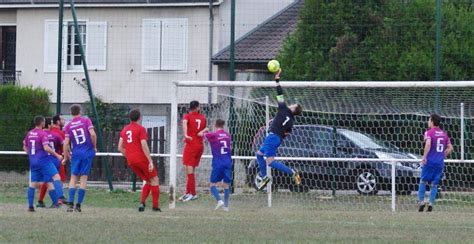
[[19, 105], [379, 40]]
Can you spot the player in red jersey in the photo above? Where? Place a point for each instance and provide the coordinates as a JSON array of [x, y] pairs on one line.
[[133, 145], [193, 123], [58, 125]]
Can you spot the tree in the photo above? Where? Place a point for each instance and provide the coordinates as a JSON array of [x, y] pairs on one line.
[[379, 40]]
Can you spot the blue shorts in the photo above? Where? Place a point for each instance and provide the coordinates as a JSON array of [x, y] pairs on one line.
[[432, 174], [43, 174], [55, 161], [270, 145], [219, 174], [81, 166]]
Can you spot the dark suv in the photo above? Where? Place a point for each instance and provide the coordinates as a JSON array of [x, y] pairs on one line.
[[325, 142]]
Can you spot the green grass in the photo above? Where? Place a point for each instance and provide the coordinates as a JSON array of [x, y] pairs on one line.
[[112, 217]]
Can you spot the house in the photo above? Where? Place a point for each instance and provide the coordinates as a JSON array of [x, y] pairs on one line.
[[135, 49], [254, 49]]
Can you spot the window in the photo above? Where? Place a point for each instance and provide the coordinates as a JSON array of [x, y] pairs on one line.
[[94, 39], [164, 44], [73, 53]]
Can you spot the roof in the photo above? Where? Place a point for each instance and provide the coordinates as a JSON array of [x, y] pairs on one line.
[[265, 41], [54, 3]]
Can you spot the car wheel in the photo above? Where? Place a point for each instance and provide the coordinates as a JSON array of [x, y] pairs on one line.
[[367, 182]]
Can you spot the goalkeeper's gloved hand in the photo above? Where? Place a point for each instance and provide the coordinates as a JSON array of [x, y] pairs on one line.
[[277, 76]]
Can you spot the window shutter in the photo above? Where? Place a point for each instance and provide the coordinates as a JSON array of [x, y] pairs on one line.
[[174, 44], [96, 45], [151, 48], [50, 46]]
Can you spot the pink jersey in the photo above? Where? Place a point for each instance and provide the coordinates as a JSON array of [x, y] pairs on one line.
[[439, 141], [35, 140], [220, 143], [78, 132]]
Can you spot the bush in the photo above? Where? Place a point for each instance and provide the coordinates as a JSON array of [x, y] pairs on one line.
[[19, 106]]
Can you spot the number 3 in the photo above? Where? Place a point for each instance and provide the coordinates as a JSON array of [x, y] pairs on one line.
[[129, 136], [440, 145]]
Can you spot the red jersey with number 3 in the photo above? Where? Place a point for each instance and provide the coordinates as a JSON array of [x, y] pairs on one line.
[[196, 123], [132, 135]]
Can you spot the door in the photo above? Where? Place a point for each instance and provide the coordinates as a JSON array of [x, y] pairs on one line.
[[8, 54]]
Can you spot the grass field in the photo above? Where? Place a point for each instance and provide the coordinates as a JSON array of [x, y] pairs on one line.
[[112, 217]]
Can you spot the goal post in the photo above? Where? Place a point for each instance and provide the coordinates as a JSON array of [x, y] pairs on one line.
[[331, 141]]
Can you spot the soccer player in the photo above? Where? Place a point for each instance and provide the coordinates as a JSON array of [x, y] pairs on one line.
[[36, 145], [193, 123], [56, 143], [280, 127], [81, 135], [220, 143], [57, 127], [133, 145], [437, 147]]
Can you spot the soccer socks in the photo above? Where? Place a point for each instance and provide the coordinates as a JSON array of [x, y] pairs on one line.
[[58, 188], [31, 196], [81, 195], [155, 196], [191, 185], [54, 197], [262, 165], [433, 193], [215, 193], [72, 193], [421, 191], [281, 167], [43, 190], [145, 192], [226, 197]]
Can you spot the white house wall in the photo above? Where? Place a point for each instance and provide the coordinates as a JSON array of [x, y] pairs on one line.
[[123, 80]]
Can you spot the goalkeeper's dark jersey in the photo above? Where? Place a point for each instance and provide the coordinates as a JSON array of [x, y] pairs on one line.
[[282, 124]]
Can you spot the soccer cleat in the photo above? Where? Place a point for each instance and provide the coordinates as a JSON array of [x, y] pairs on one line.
[[430, 208], [156, 209], [78, 208], [226, 209], [70, 209], [220, 204], [421, 207], [190, 197], [297, 177], [40, 204], [263, 183], [55, 206], [62, 201], [141, 207], [183, 197], [31, 209]]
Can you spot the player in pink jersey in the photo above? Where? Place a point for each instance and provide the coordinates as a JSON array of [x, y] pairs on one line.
[[437, 147], [220, 142], [81, 135], [36, 145]]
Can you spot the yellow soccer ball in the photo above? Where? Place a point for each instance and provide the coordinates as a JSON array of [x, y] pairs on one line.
[[273, 66]]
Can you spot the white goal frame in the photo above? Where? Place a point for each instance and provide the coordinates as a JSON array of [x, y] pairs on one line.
[[300, 84]]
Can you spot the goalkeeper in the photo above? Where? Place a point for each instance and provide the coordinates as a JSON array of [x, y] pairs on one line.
[[280, 127]]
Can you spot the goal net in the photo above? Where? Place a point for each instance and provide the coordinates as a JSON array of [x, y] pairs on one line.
[[358, 145]]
